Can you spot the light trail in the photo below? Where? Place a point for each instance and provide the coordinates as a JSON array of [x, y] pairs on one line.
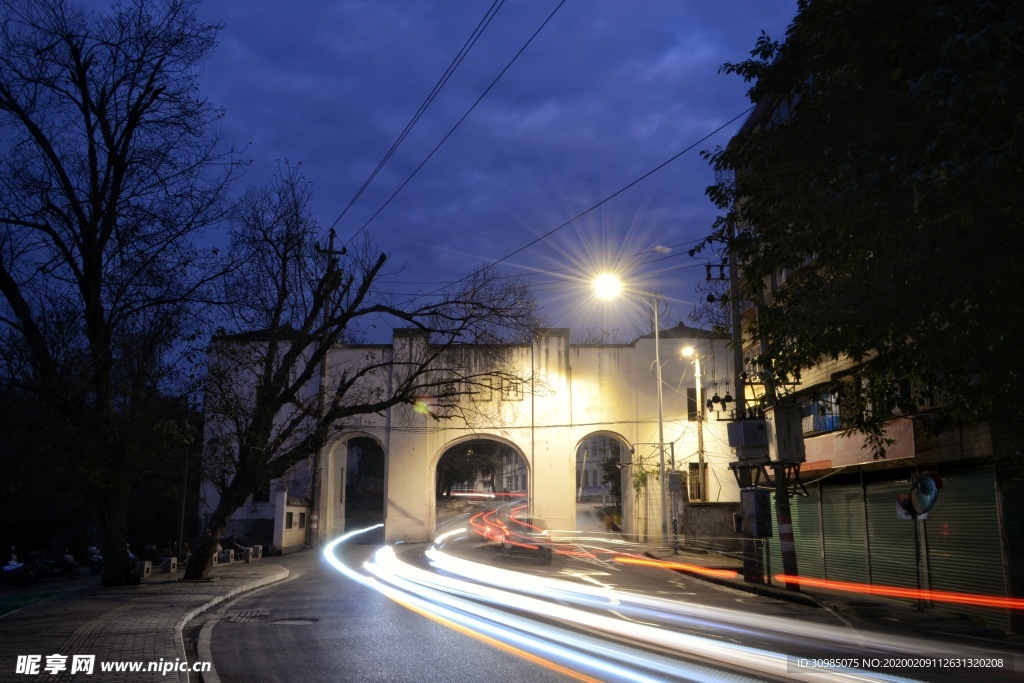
[[575, 629], [952, 597], [548, 647]]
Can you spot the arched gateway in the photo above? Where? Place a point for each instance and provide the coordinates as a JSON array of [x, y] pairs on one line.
[[565, 394]]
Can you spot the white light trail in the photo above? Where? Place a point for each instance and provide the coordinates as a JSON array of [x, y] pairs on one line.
[[477, 599]]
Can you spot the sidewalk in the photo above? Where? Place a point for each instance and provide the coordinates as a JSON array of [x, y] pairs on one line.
[[132, 623]]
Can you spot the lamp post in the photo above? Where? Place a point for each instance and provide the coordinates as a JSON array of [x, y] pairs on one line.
[[609, 287], [701, 472]]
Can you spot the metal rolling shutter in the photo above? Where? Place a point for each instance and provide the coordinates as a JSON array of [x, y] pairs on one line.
[[964, 542], [842, 522], [1013, 527], [890, 540], [806, 535]]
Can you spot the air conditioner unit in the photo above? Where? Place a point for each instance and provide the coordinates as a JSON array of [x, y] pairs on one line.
[[784, 424]]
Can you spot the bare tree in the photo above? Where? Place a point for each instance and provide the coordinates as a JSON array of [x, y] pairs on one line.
[[269, 402], [711, 311], [108, 173]]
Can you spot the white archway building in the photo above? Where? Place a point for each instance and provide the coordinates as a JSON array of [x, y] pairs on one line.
[[574, 391]]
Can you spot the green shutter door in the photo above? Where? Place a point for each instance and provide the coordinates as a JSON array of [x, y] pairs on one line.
[[806, 536], [964, 543], [890, 540], [842, 521]]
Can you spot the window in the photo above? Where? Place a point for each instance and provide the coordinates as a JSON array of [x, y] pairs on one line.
[[696, 485], [302, 520], [289, 520]]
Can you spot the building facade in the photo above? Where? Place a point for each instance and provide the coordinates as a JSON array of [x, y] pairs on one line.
[[566, 397]]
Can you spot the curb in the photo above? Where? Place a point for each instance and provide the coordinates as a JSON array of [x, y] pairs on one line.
[[755, 588], [179, 639]]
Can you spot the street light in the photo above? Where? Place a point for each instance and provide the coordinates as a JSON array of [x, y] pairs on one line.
[[690, 351], [608, 286]]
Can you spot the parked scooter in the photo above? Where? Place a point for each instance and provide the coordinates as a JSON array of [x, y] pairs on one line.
[[95, 560], [16, 573], [65, 566], [234, 545]]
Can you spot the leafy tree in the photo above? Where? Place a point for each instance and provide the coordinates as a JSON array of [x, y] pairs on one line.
[[268, 406], [881, 174], [611, 471], [466, 462], [109, 172], [455, 466]]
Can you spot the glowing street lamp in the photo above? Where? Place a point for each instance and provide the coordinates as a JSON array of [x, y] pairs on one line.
[[608, 286]]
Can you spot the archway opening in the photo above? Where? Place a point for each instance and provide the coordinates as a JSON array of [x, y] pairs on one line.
[[600, 481], [479, 474], [364, 483]]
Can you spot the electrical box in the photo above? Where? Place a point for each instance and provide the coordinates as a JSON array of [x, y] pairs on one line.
[[675, 482], [756, 512], [749, 438], [784, 424]]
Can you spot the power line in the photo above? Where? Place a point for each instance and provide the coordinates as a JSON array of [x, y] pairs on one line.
[[622, 189], [603, 201], [466, 47], [607, 262], [457, 123]]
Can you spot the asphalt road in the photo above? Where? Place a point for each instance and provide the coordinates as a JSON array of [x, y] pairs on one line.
[[321, 626]]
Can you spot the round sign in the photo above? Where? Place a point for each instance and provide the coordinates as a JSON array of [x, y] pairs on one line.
[[925, 491]]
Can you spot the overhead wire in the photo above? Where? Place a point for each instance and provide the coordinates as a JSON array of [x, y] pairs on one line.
[[623, 188], [604, 263], [455, 63], [457, 123], [607, 199]]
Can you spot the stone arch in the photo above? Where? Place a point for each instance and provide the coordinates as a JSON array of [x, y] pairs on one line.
[[593, 498], [450, 446], [337, 479]]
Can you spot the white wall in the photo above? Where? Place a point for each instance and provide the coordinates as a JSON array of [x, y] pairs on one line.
[[573, 391]]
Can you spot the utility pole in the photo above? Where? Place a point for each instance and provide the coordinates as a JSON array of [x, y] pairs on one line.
[[663, 474], [737, 326], [753, 562], [783, 514], [701, 466], [703, 470], [313, 529]]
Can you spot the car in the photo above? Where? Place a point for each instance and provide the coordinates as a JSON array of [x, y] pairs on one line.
[[527, 536]]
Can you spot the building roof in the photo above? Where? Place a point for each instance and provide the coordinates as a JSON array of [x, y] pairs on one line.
[[681, 331]]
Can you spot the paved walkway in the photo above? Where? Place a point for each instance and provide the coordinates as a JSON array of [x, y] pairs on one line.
[[130, 624]]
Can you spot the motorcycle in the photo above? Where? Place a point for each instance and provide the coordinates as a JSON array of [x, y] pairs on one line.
[[95, 560], [16, 573], [65, 566], [234, 545]]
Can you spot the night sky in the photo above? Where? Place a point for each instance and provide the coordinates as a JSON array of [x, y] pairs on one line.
[[606, 91]]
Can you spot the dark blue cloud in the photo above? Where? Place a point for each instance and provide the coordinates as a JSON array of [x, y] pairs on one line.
[[607, 91]]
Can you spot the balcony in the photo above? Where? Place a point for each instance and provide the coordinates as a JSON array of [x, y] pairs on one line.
[[819, 424]]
